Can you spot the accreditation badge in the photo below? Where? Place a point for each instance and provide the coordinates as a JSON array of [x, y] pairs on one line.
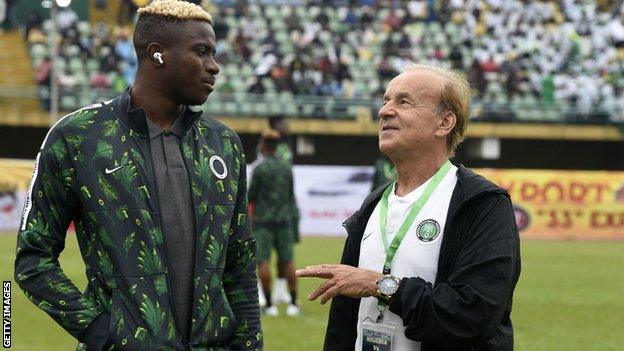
[[377, 336]]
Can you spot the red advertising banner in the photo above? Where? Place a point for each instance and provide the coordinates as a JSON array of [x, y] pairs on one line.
[[565, 204]]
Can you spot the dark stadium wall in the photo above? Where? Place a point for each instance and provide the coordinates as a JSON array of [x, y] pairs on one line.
[[24, 142], [515, 153], [21, 142]]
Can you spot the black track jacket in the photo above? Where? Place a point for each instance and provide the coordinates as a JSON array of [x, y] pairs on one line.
[[469, 306]]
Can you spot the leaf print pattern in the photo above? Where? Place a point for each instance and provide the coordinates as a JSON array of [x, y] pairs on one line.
[[161, 285], [75, 140], [272, 191], [81, 119], [117, 226], [136, 156], [152, 314], [61, 287], [128, 242], [105, 263], [148, 260], [111, 127], [67, 176], [58, 149], [157, 236], [126, 175], [107, 189], [213, 252]]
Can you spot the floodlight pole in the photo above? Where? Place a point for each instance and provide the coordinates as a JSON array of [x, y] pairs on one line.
[[54, 93]]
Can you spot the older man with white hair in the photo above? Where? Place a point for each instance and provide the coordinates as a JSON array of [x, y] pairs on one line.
[[431, 259]]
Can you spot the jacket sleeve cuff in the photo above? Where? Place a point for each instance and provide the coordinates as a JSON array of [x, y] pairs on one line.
[[396, 302], [96, 335]]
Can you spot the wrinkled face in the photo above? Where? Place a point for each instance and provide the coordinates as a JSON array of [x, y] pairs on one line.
[[409, 120], [190, 63]]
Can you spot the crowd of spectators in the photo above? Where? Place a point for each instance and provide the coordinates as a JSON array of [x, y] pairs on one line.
[[96, 57], [550, 53], [566, 54]]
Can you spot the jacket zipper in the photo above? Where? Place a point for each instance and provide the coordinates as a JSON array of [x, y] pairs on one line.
[[164, 251], [196, 220]]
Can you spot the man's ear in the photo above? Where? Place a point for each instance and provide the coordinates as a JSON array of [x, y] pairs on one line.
[[157, 54], [447, 123]]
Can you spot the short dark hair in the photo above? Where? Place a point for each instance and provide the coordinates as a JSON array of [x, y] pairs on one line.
[[274, 120], [154, 29], [159, 21]]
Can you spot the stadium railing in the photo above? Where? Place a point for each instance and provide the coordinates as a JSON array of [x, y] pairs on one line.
[[322, 107]]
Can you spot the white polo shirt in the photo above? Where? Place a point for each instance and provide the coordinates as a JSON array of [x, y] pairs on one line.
[[417, 256]]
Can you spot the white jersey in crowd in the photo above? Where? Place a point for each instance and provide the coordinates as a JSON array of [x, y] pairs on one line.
[[415, 257]]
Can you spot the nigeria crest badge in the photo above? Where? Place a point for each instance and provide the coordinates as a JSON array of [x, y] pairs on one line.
[[428, 230]]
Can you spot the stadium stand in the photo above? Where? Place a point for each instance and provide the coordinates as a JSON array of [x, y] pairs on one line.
[[538, 60]]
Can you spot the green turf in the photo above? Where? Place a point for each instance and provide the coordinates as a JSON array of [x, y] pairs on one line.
[[570, 297]]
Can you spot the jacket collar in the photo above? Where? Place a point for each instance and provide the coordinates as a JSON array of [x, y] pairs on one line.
[[136, 118], [177, 128], [469, 185]]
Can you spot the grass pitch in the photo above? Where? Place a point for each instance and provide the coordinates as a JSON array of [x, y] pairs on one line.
[[570, 297]]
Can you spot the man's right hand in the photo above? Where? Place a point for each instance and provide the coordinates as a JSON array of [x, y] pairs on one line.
[[341, 280]]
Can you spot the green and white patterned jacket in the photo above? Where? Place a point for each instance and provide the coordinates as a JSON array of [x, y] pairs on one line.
[[95, 169]]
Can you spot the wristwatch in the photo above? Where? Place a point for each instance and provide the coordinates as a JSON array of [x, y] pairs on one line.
[[386, 287]]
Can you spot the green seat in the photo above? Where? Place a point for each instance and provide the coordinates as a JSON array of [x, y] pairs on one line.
[[241, 96], [85, 99], [68, 102], [60, 64], [38, 51], [81, 79], [301, 12], [254, 10], [213, 109], [36, 62], [72, 51], [48, 26], [314, 11], [262, 24], [76, 64], [261, 108], [278, 24], [230, 70], [84, 27], [291, 109], [282, 36], [268, 84], [246, 108], [229, 20], [230, 108], [352, 111], [111, 76], [238, 84], [246, 71], [93, 65], [271, 12], [382, 13], [307, 110]]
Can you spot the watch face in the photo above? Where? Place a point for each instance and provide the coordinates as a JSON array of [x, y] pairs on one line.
[[388, 286]]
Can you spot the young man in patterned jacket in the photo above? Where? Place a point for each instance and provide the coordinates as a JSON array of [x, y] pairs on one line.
[[158, 197]]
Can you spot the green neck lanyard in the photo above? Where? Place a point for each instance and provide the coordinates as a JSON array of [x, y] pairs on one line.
[[411, 216]]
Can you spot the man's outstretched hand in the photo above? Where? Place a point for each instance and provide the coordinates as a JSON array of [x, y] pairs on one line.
[[341, 280]]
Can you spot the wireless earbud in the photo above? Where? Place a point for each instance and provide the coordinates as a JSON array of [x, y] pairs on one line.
[[158, 57]]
